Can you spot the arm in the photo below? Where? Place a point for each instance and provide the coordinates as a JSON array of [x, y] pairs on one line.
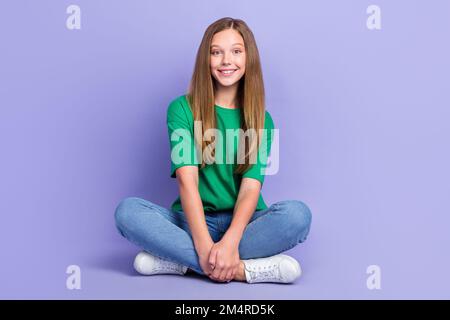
[[251, 184], [191, 202], [184, 168], [244, 208]]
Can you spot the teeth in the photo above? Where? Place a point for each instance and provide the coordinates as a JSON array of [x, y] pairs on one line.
[[227, 72]]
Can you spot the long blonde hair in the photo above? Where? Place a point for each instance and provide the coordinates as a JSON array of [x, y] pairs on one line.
[[250, 93]]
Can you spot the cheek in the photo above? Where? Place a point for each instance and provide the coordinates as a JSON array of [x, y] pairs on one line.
[[213, 70], [241, 62], [214, 63]]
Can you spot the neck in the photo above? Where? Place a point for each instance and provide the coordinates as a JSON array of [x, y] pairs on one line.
[[226, 96]]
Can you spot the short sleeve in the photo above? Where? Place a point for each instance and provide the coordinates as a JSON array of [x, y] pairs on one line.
[[180, 126], [257, 170]]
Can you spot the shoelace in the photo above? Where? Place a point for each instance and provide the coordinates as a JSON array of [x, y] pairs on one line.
[[266, 273], [167, 265]]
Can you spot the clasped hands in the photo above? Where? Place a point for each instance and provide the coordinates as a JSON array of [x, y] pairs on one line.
[[220, 261]]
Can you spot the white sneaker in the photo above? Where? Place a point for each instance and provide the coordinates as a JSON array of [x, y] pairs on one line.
[[148, 264], [278, 268]]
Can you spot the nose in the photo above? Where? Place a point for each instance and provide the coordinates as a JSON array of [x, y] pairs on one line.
[[226, 58]]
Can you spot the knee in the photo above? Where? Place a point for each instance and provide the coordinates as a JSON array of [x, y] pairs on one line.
[[299, 217], [124, 212]]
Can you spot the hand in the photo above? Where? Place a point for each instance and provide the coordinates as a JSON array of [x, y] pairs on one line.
[[224, 257], [203, 257]]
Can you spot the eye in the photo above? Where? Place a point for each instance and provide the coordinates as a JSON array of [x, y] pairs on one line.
[[237, 50], [214, 52]]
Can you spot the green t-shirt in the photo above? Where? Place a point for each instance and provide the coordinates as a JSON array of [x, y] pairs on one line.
[[218, 186]]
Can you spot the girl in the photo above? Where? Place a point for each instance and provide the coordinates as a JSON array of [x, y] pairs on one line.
[[220, 225]]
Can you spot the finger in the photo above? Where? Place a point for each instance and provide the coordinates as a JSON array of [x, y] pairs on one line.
[[206, 268], [233, 273], [223, 274], [212, 258], [236, 270], [230, 276], [218, 271], [214, 277]]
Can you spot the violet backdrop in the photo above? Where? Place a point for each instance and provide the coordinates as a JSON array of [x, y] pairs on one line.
[[364, 141]]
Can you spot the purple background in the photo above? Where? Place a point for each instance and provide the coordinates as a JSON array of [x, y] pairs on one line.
[[364, 128]]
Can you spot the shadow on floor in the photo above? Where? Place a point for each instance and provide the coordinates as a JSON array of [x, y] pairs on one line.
[[122, 262]]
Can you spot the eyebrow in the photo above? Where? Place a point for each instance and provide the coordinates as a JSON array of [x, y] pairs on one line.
[[215, 45]]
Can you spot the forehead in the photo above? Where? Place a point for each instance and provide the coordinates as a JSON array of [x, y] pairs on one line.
[[229, 37]]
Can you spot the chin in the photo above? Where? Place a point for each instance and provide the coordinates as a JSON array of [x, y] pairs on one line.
[[227, 83]]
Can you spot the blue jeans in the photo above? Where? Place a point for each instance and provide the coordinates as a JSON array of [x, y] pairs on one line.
[[166, 234]]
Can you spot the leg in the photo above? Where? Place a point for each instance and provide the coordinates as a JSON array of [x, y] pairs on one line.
[[274, 230], [157, 230]]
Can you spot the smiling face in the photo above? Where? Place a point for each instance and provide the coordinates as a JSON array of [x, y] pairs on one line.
[[227, 57]]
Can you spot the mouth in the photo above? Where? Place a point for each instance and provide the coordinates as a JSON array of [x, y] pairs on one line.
[[227, 72]]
